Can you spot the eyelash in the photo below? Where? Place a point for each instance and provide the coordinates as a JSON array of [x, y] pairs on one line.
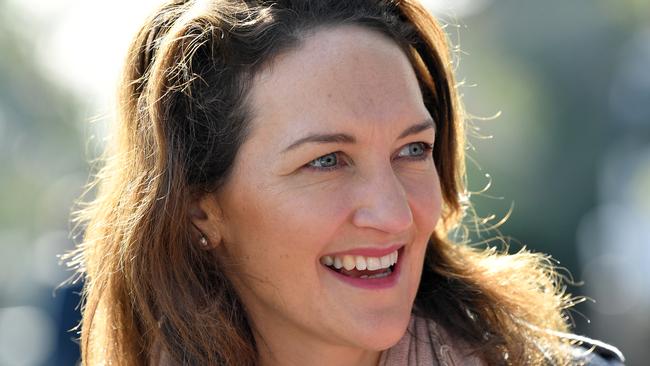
[[428, 148]]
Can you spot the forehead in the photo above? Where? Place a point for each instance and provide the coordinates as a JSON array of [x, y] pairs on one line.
[[338, 78]]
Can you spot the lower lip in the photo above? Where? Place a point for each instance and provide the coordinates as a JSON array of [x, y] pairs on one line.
[[373, 283]]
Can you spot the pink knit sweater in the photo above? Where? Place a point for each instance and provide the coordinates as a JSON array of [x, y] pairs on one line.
[[427, 343]]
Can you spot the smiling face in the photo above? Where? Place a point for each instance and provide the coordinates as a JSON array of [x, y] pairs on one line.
[[337, 168]]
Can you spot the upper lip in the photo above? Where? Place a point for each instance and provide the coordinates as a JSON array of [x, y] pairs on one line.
[[368, 251]]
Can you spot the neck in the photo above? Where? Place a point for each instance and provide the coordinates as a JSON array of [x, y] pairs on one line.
[[304, 356], [281, 351]]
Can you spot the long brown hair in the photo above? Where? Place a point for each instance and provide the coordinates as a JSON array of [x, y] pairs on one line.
[[182, 117]]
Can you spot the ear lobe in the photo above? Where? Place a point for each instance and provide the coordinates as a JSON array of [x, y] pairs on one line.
[[206, 218]]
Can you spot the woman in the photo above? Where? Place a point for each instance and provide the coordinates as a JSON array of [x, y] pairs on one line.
[[279, 190]]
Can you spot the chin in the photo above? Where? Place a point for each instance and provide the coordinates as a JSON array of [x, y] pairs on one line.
[[384, 333]]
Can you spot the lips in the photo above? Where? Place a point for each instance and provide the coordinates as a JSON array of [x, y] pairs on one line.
[[379, 274], [361, 266]]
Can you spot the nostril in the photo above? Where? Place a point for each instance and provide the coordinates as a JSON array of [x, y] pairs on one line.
[[389, 219]]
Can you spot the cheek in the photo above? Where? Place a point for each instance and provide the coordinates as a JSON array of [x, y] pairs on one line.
[[264, 250], [425, 198], [280, 227]]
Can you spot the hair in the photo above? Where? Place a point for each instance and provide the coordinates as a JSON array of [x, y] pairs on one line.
[[182, 116]]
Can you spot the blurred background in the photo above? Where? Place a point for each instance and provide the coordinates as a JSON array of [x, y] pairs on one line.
[[568, 157]]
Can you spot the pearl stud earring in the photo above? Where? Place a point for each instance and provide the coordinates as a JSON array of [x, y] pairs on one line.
[[203, 241]]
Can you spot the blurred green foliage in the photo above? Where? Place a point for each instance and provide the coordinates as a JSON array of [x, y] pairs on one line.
[[40, 135]]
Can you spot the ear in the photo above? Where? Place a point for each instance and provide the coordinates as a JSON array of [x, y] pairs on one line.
[[207, 219]]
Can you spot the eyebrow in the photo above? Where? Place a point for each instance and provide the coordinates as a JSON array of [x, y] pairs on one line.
[[325, 138]]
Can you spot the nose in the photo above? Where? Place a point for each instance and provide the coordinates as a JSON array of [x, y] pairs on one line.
[[382, 203]]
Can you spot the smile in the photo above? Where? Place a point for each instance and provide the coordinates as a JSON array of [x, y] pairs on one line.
[[366, 271], [361, 266]]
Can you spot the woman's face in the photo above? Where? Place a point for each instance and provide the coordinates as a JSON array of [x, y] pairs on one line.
[[337, 168]]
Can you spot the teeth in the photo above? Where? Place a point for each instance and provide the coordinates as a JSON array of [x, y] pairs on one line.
[[385, 261], [349, 262], [380, 275], [327, 260], [377, 275], [373, 263], [359, 262]]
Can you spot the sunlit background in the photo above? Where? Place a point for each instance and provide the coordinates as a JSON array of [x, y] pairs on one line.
[[570, 148]]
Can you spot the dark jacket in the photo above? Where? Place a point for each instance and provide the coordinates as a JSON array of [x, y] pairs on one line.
[[596, 353]]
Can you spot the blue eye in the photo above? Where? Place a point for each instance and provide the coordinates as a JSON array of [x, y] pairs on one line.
[[328, 161], [415, 150]]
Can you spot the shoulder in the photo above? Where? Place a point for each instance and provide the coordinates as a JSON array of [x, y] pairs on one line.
[[425, 337], [592, 352]]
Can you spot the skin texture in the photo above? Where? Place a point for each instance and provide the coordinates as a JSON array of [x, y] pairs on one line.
[[277, 216]]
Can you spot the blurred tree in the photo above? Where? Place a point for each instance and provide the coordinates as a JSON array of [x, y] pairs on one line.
[[42, 171], [40, 134]]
